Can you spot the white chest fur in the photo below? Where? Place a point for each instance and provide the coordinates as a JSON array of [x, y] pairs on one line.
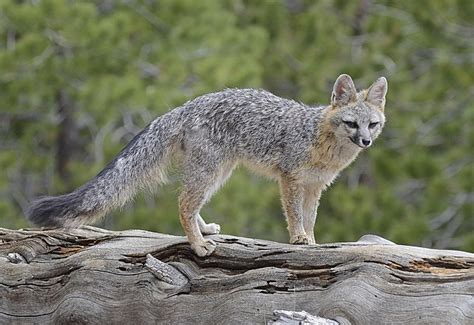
[[327, 164]]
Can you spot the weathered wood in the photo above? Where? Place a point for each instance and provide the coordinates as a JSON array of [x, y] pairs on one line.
[[90, 275], [286, 317]]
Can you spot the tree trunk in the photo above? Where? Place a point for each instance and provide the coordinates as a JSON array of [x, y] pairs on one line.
[[67, 137], [94, 276]]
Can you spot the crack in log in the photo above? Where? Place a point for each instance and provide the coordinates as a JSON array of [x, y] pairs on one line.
[[82, 240], [63, 252], [47, 280], [415, 279], [236, 241], [130, 274], [440, 266], [237, 266], [427, 270], [60, 272], [42, 244], [270, 288], [273, 252], [29, 247], [325, 277]]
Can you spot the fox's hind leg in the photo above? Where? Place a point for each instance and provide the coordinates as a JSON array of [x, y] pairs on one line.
[[222, 175], [208, 228], [202, 177], [190, 202]]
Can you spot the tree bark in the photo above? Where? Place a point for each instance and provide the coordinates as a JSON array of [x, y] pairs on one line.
[[95, 276]]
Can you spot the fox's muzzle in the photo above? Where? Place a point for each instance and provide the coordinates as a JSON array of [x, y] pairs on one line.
[[361, 142]]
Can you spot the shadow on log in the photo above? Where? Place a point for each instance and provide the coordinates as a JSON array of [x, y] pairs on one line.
[[94, 276]]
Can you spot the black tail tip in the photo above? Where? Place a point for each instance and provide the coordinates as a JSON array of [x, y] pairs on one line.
[[46, 212]]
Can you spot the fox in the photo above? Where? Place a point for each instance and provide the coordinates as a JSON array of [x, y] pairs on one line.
[[304, 148]]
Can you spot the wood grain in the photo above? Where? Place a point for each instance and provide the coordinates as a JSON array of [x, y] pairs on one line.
[[94, 276]]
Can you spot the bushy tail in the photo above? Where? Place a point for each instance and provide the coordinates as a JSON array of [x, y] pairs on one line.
[[141, 164]]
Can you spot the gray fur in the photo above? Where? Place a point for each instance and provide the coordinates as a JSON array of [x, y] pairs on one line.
[[251, 125], [141, 164], [302, 147]]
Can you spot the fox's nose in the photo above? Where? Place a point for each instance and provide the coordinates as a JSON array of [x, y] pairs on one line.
[[366, 142]]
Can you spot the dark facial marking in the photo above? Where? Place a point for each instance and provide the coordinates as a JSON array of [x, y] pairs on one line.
[[352, 125], [373, 124]]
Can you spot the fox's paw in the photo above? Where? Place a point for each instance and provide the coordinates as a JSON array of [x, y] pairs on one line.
[[299, 240], [211, 229], [205, 248]]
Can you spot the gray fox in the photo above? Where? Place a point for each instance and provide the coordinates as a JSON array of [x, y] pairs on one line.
[[302, 147]]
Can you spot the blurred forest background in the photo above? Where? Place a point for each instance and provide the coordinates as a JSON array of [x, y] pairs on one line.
[[78, 79]]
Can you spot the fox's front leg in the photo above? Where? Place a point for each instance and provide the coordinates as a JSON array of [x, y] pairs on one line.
[[312, 194], [292, 196]]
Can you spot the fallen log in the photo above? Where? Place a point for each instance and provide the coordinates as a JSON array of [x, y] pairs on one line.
[[94, 276]]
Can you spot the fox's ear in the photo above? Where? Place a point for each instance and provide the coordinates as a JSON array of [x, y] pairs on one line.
[[343, 91], [376, 93]]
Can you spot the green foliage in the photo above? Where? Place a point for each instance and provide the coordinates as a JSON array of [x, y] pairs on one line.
[[120, 64]]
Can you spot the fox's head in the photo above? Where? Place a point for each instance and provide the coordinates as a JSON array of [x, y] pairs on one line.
[[357, 116]]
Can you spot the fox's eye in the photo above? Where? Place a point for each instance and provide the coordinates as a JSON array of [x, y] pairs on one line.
[[373, 124], [352, 125]]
